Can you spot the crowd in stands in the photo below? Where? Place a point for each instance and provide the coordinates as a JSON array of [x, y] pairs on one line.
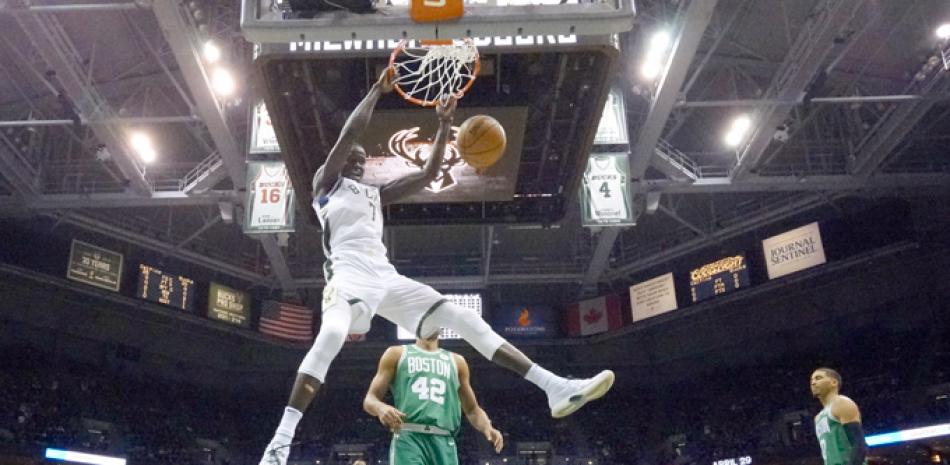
[[763, 410]]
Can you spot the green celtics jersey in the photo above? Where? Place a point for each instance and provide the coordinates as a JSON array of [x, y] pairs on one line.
[[835, 446], [426, 388]]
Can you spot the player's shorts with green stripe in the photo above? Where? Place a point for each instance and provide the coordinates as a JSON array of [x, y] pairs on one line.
[[411, 448]]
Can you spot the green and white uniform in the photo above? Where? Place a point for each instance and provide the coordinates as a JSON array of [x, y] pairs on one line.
[[426, 389], [833, 439]]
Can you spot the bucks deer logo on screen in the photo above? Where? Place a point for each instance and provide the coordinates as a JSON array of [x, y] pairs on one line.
[[414, 151]]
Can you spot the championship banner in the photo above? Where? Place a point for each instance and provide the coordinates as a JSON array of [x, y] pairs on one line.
[[270, 198], [612, 129], [652, 297], [168, 289], [792, 251], [719, 277], [263, 136], [229, 305], [524, 321], [594, 316], [94, 266], [605, 191]]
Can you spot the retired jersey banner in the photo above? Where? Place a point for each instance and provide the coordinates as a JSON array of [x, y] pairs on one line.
[[652, 297], [793, 251], [594, 316], [605, 191], [263, 136], [525, 321], [612, 129], [270, 198], [719, 277]]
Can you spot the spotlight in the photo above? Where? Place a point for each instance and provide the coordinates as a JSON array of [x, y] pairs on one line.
[[142, 145], [148, 155], [655, 55], [222, 82], [141, 141], [650, 70], [943, 32], [738, 130], [211, 52], [659, 42]]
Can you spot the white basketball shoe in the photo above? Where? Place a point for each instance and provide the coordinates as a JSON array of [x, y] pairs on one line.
[[276, 454], [572, 394]]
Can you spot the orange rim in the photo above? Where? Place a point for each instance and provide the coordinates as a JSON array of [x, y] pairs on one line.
[[433, 42], [430, 42]]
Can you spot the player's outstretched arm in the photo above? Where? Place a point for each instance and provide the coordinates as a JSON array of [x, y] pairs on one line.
[[475, 415], [410, 184], [373, 402], [354, 127]]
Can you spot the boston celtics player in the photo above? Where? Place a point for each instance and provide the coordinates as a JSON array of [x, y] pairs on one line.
[[838, 425], [430, 389]]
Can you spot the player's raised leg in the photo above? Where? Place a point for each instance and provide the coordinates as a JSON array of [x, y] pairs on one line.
[[411, 304]]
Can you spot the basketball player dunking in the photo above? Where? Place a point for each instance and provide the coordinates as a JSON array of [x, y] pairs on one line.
[[838, 425], [361, 282], [431, 390]]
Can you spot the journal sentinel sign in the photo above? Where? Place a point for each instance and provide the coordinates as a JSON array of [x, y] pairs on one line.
[[793, 251]]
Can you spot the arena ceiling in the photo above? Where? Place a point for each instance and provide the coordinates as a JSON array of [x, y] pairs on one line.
[[849, 97]]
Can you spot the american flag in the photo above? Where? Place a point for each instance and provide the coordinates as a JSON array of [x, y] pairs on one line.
[[286, 321]]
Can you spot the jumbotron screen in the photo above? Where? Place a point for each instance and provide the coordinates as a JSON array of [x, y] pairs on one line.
[[398, 144], [468, 301]]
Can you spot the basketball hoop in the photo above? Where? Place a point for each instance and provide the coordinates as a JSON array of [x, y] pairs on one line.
[[434, 69]]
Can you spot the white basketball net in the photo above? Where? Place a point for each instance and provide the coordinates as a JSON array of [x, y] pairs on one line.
[[428, 73]]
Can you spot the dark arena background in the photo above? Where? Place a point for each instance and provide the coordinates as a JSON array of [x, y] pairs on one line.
[[784, 205]]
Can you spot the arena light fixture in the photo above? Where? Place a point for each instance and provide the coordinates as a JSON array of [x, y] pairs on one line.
[[211, 51], [650, 70], [656, 53], [223, 82], [142, 144], [659, 42], [943, 31], [738, 130], [81, 457]]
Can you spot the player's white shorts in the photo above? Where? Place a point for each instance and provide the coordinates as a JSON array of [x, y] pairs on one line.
[[372, 285]]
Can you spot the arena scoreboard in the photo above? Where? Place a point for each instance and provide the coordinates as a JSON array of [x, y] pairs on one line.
[[157, 286], [719, 277]]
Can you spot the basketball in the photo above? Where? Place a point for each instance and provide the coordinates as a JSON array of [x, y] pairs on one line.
[[481, 141]]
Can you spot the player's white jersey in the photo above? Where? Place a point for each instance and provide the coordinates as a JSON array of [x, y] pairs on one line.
[[270, 197], [352, 219], [606, 184]]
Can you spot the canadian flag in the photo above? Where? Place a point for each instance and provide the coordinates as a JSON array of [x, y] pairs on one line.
[[594, 316]]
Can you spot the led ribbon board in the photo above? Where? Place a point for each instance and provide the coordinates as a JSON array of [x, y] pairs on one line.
[[81, 457], [908, 435]]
